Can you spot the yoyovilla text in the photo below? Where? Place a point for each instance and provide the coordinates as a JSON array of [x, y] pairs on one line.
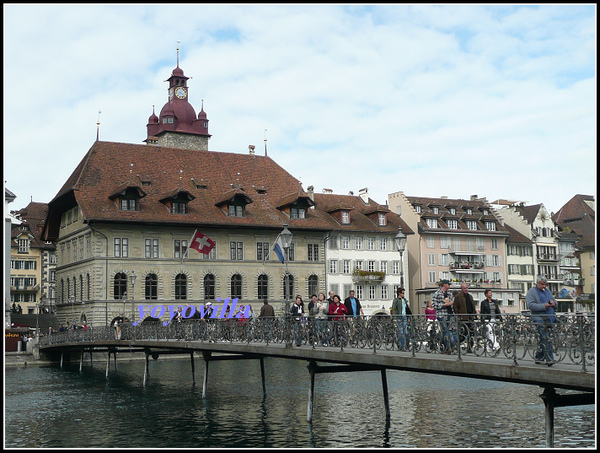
[[188, 311]]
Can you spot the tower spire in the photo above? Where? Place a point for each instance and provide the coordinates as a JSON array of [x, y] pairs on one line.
[[178, 53]]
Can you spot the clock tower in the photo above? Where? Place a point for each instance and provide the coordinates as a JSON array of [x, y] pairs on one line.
[[177, 125]]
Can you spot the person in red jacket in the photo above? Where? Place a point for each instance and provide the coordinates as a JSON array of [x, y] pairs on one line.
[[337, 310]]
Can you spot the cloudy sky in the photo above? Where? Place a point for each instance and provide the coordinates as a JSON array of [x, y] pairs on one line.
[[457, 100]]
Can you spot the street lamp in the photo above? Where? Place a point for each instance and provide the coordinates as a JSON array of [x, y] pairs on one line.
[[400, 241], [132, 278], [286, 240]]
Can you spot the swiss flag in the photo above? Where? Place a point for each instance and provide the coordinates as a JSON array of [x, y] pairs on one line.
[[201, 243]]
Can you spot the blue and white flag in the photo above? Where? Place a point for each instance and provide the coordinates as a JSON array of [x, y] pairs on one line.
[[278, 248]]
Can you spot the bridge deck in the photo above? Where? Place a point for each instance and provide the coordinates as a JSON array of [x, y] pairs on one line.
[[561, 375]]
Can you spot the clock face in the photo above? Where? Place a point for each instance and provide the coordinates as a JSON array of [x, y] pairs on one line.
[[180, 92]]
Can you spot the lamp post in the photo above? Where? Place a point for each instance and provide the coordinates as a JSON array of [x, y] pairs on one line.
[[400, 241], [132, 278], [286, 239]]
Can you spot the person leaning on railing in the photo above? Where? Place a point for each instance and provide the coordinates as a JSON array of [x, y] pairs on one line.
[[542, 305], [442, 302], [400, 312]]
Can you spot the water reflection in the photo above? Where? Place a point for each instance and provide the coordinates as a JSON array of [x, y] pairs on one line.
[[50, 407]]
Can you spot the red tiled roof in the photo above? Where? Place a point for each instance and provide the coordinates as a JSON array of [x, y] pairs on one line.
[[107, 164], [580, 217]]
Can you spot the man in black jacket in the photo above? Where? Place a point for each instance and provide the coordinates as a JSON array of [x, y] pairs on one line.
[[353, 305]]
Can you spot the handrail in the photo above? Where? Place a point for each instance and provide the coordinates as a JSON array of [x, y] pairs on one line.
[[516, 337]]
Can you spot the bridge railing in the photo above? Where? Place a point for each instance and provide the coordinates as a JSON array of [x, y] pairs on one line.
[[571, 339]]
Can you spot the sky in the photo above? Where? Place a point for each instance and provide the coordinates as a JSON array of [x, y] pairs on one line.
[[497, 101]]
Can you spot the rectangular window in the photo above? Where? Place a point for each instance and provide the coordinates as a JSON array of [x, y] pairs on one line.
[[346, 269], [431, 277], [359, 292], [345, 242], [313, 252], [345, 217], [358, 241], [445, 242], [452, 224], [480, 243], [432, 223], [395, 267], [179, 248], [431, 259], [292, 252], [262, 251], [371, 266], [382, 221], [491, 226], [236, 250], [383, 243], [370, 243], [358, 265], [333, 266], [384, 291], [494, 243], [430, 242], [23, 245], [383, 266], [121, 247], [151, 248], [471, 224], [372, 292]]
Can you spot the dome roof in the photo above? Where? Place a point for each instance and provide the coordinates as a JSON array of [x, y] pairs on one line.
[[153, 119]]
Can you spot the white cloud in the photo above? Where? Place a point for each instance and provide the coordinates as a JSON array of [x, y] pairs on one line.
[[431, 100]]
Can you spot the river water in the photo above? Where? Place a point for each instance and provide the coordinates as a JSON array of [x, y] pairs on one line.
[[66, 408]]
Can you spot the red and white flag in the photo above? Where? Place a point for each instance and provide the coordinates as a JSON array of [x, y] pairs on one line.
[[201, 243]]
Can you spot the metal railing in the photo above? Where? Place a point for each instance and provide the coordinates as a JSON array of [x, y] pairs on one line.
[[516, 337]]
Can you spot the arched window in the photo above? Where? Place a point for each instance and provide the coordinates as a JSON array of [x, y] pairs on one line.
[[151, 289], [75, 288], [236, 286], [181, 287], [209, 286], [81, 287], [89, 287], [263, 287], [313, 285], [120, 286]]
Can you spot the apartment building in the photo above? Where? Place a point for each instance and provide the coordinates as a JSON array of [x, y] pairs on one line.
[[463, 241]]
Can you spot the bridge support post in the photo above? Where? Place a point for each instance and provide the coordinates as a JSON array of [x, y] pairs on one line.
[[62, 354], [146, 366], [206, 356], [193, 369], [386, 399], [311, 391], [81, 361], [262, 376], [549, 397], [107, 361]]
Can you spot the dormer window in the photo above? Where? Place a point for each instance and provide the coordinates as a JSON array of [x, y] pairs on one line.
[[128, 198], [234, 202], [382, 219], [178, 201], [432, 223], [471, 224], [418, 208], [491, 226], [297, 213], [452, 211], [129, 204], [345, 217], [468, 211], [235, 210], [435, 210]]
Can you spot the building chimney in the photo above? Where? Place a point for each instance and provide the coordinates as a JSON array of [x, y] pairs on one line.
[[364, 195], [327, 190], [473, 197], [251, 149], [311, 192]]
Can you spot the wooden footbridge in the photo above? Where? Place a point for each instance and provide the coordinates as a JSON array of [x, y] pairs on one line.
[[506, 353]]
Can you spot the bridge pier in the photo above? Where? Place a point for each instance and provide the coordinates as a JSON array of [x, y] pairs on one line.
[[313, 369], [552, 399], [208, 357]]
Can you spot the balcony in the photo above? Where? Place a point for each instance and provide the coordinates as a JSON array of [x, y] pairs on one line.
[[469, 266], [367, 276]]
